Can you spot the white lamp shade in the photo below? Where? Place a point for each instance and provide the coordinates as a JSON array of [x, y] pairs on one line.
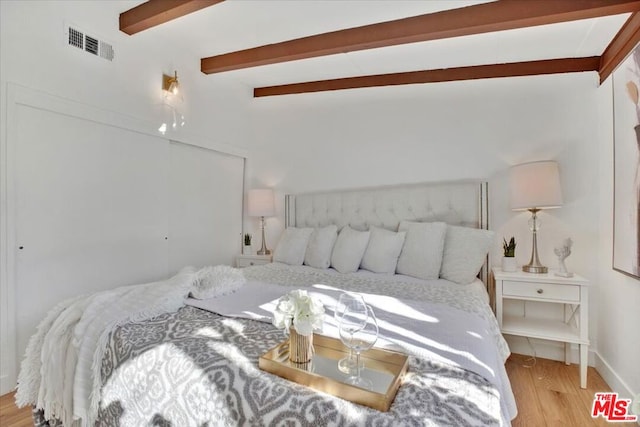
[[260, 202], [535, 185]]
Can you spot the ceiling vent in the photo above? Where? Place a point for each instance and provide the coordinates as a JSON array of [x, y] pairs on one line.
[[81, 40]]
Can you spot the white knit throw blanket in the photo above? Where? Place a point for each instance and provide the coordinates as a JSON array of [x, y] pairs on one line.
[[61, 370]]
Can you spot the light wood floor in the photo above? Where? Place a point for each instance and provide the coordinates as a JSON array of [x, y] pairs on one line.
[[11, 416], [547, 394]]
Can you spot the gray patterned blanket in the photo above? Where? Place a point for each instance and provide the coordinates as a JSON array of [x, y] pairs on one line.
[[195, 368]]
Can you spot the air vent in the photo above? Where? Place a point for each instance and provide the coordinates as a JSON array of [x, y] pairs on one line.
[[91, 45], [76, 38], [80, 39], [106, 51]]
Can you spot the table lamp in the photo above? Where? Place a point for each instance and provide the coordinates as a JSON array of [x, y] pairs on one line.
[[535, 186], [260, 203]]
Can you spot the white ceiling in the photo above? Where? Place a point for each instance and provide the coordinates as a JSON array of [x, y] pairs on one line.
[[240, 24]]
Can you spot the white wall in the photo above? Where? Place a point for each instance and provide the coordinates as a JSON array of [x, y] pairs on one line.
[[450, 131], [442, 132], [35, 54], [619, 295]]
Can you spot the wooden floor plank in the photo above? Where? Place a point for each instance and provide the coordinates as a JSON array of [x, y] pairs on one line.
[[523, 387], [550, 395], [547, 393], [11, 416]]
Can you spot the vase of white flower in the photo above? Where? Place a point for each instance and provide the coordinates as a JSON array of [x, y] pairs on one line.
[[299, 314], [300, 347]]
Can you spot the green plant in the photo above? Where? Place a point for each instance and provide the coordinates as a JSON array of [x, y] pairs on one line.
[[247, 239], [509, 248]]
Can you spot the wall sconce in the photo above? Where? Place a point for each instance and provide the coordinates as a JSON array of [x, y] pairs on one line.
[[172, 117], [170, 84]]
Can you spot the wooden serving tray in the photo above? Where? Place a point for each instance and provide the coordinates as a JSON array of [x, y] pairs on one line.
[[384, 368]]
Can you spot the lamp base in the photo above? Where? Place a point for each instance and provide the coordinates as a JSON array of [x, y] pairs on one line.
[[263, 249], [534, 265], [539, 269]]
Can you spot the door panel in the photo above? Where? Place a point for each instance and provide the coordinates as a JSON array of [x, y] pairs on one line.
[[90, 211], [205, 206]]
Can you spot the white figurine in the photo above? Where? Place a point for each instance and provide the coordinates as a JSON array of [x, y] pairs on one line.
[[563, 252]]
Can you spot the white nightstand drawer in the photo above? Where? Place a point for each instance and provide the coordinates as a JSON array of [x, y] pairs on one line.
[[251, 260], [547, 291]]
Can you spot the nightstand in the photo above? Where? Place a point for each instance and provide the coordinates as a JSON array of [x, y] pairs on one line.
[[251, 260], [571, 292]]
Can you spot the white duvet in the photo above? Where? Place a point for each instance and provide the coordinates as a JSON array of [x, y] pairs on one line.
[[61, 371], [425, 329]]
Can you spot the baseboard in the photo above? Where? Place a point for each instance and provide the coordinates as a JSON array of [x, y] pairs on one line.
[[555, 351], [6, 384], [616, 383]]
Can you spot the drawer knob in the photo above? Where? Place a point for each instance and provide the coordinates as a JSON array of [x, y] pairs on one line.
[[540, 291], [251, 263]]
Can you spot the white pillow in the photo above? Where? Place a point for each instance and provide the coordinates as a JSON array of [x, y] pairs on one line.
[[383, 250], [320, 246], [349, 249], [465, 250], [292, 245], [421, 254]]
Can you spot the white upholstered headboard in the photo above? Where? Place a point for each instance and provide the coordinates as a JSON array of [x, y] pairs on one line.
[[457, 203]]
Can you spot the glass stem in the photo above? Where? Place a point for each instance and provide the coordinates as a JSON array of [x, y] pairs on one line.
[[358, 364], [350, 349]]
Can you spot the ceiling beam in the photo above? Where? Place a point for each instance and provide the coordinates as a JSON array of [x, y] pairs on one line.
[[156, 12], [514, 69], [482, 18], [626, 39]]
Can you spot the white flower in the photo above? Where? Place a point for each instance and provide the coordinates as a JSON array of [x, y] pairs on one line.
[[300, 310]]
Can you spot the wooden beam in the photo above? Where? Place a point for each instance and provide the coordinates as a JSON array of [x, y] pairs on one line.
[[626, 39], [483, 18], [156, 12], [514, 69]]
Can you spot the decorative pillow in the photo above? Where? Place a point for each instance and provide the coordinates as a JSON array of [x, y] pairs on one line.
[[383, 250], [465, 250], [292, 245], [421, 254], [349, 249], [215, 281], [320, 245]]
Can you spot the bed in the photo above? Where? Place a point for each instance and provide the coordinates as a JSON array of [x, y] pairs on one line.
[[147, 355]]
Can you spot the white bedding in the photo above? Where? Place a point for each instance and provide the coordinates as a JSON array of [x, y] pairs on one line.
[[476, 288], [406, 326], [138, 348], [466, 341], [262, 295]]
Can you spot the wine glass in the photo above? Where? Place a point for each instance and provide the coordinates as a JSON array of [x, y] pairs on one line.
[[359, 340], [354, 307]]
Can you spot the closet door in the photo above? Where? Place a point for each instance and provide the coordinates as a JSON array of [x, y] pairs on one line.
[[90, 211], [205, 206]]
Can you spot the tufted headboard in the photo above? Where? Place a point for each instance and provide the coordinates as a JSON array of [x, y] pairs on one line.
[[457, 203]]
